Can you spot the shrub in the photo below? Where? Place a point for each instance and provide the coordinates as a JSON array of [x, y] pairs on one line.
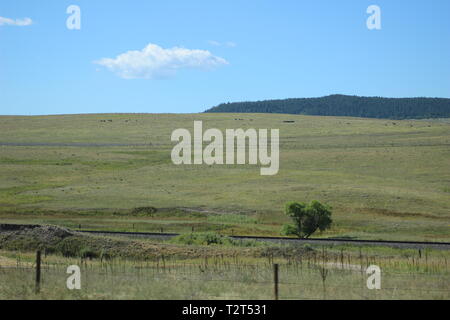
[[200, 238], [88, 253], [68, 248], [144, 211], [212, 238]]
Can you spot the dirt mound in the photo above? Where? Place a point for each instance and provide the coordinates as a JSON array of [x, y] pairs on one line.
[[45, 234]]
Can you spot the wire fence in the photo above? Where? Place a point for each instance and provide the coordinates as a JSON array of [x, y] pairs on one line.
[[237, 280]]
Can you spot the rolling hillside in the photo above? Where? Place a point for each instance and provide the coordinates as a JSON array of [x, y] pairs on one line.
[[385, 179]]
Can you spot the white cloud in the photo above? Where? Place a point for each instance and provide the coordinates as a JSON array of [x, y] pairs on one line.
[[229, 44], [17, 22], [214, 43], [156, 62]]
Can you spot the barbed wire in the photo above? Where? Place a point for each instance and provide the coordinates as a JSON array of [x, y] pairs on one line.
[[309, 285], [224, 268]]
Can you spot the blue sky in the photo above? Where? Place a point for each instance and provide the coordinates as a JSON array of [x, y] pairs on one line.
[[233, 51]]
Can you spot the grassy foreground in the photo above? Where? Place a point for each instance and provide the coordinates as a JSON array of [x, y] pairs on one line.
[[331, 273], [385, 179], [210, 266]]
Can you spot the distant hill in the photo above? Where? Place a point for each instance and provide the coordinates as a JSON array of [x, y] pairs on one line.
[[349, 106]]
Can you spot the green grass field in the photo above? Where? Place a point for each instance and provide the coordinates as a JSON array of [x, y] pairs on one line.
[[385, 179]]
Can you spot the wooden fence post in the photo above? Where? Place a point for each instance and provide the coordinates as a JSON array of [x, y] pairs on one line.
[[275, 280], [38, 271]]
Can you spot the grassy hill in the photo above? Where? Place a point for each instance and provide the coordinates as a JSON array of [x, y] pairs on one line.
[[385, 179], [347, 106]]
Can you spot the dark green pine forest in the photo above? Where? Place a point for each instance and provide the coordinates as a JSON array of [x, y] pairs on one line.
[[343, 105]]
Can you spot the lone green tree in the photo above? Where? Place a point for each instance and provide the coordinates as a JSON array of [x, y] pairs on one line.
[[307, 218]]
